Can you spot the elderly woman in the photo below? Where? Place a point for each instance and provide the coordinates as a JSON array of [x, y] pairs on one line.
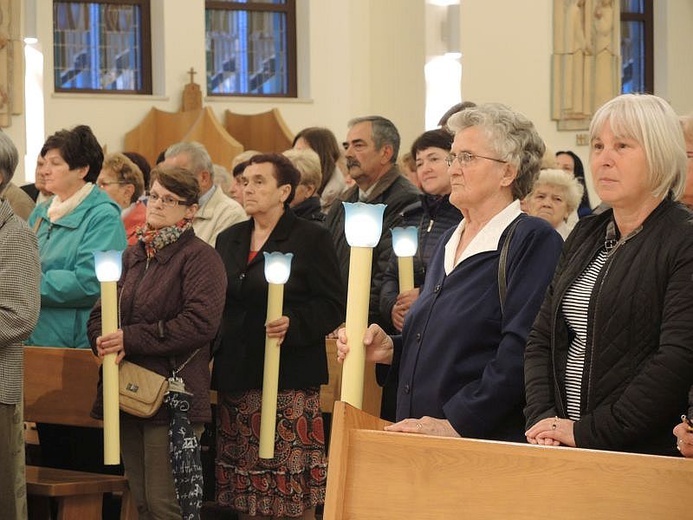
[[570, 162], [461, 350], [306, 201], [293, 482], [122, 179], [171, 299], [555, 195], [609, 360]]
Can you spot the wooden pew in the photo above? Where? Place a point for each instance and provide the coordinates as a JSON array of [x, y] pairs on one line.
[[59, 388], [380, 475]]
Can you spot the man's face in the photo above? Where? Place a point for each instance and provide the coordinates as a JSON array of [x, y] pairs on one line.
[[365, 163]]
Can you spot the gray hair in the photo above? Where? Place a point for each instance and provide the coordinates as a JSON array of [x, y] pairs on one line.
[[196, 152], [384, 132], [9, 158], [571, 186], [653, 124], [512, 137]]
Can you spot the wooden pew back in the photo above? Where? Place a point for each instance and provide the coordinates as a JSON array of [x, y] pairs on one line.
[[60, 385], [379, 475]]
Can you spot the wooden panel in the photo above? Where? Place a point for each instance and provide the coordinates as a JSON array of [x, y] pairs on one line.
[[60, 385], [62, 482], [266, 132], [382, 475], [331, 392]]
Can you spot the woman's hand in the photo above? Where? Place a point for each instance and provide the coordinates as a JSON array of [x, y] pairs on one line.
[[379, 346], [111, 344], [426, 426], [277, 328], [401, 307], [684, 439], [552, 431]]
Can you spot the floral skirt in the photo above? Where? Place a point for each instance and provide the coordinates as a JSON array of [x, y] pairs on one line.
[[294, 480]]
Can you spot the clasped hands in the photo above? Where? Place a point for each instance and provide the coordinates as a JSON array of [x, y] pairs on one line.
[[552, 431]]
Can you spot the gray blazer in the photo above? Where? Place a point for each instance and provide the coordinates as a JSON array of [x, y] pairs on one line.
[[20, 300]]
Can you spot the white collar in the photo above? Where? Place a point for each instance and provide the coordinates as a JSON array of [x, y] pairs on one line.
[[487, 239]]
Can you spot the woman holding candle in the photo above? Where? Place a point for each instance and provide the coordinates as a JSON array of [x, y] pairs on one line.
[[609, 361], [293, 482], [460, 354], [171, 299]]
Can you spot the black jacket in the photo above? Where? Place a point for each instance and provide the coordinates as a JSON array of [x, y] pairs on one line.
[[313, 301], [639, 353], [310, 209], [397, 193], [433, 216]]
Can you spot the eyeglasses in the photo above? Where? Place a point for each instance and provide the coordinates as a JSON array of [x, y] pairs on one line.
[[103, 184], [168, 202], [465, 158]]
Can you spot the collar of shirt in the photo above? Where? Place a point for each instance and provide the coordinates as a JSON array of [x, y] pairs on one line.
[[364, 195], [204, 198], [486, 240]]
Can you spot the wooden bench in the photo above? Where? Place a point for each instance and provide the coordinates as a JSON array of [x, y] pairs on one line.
[[381, 475], [59, 388]]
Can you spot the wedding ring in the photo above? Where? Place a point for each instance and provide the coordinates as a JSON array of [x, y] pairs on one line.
[[555, 423]]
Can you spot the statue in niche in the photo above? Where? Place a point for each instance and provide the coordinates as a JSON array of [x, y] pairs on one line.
[[585, 61]]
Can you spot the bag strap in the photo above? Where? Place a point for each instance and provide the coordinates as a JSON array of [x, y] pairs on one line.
[[181, 367], [502, 264], [37, 225]]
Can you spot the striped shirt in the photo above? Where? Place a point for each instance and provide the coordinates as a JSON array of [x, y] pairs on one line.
[[575, 307]]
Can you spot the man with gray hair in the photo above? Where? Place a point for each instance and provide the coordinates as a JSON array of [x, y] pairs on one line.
[[20, 301], [217, 211], [371, 149]]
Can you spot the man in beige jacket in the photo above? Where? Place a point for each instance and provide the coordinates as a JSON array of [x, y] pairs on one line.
[[217, 211]]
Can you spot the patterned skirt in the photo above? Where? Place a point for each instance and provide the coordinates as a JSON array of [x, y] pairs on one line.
[[294, 480]]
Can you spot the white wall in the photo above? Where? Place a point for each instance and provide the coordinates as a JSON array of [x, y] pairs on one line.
[[365, 57]]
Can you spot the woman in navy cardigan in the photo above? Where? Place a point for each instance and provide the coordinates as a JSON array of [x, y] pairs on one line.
[[460, 355]]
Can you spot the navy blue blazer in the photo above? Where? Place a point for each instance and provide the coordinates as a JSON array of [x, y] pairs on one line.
[[461, 358]]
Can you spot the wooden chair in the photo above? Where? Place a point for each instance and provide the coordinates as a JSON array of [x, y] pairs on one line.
[[59, 388], [381, 475], [265, 132]]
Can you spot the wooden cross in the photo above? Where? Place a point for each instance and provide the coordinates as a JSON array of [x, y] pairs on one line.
[[192, 74]]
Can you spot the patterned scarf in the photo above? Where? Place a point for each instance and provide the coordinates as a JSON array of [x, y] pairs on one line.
[[155, 240]]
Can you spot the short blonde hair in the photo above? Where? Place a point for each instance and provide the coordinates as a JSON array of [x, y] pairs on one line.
[[653, 124], [126, 171], [307, 162], [243, 157], [571, 186]]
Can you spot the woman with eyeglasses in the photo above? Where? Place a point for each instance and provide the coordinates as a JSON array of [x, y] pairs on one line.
[[460, 355], [171, 295], [122, 179], [291, 484]]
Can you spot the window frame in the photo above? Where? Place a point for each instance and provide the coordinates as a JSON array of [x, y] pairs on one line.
[[289, 9], [145, 43], [647, 19]]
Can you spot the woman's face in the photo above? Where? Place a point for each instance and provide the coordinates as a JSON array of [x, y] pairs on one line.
[[60, 179], [40, 175], [619, 170], [432, 171], [480, 179], [260, 192], [302, 144], [121, 193], [566, 163], [165, 208], [548, 201], [688, 189]]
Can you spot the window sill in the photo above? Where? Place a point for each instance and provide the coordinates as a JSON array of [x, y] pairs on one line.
[[108, 96]]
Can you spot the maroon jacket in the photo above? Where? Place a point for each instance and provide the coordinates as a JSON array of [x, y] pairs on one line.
[[168, 309]]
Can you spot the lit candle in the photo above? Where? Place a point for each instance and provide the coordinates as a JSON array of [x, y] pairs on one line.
[[277, 270], [405, 242], [108, 268], [363, 225]]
